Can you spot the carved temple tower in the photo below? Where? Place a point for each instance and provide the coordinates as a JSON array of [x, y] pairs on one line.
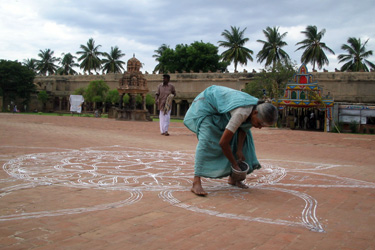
[[133, 83]]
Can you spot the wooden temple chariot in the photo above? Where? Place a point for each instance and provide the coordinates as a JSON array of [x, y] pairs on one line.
[[303, 106]]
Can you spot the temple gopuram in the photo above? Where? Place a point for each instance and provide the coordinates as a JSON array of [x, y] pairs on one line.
[[303, 106]]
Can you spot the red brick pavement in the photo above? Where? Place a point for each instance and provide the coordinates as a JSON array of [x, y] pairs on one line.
[[87, 183]]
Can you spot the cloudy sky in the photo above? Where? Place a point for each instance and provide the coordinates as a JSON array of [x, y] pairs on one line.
[[141, 26]]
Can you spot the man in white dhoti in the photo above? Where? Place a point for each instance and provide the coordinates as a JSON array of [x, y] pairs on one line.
[[164, 96]]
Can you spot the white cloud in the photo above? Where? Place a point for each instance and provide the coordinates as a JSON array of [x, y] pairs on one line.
[[140, 27]]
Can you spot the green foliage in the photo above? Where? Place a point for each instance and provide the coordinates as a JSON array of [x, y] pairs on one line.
[[113, 96], [126, 99], [236, 52], [112, 62], [47, 61], [272, 51], [355, 60], [313, 47], [90, 56], [16, 80], [138, 99], [272, 80], [371, 130], [43, 97], [67, 65], [96, 91], [198, 56], [150, 100], [80, 91], [255, 88], [159, 52], [31, 64]]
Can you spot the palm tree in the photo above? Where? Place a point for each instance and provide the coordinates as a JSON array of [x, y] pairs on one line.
[[46, 64], [356, 57], [236, 52], [67, 64], [160, 67], [314, 48], [90, 56], [31, 64], [112, 62], [272, 50]]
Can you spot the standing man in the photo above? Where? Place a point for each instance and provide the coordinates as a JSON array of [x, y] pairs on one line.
[[163, 100]]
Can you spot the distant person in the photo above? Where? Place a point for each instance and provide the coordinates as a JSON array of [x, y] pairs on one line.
[[164, 96], [305, 122], [15, 109], [312, 120], [221, 118]]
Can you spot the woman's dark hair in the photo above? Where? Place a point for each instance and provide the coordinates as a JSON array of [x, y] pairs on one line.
[[267, 113]]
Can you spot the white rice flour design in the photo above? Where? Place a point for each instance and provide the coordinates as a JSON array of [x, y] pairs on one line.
[[134, 170]]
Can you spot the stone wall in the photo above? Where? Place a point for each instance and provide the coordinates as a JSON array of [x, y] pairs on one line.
[[188, 85], [352, 87], [349, 87], [344, 86]]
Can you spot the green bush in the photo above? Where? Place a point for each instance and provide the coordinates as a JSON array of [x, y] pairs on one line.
[[371, 130], [353, 127]]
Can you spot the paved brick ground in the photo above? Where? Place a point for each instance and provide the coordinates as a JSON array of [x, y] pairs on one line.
[[86, 183]]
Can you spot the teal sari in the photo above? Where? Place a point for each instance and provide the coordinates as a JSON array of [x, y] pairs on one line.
[[207, 117]]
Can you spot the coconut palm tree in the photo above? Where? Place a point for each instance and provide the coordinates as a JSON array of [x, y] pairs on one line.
[[236, 51], [90, 56], [112, 62], [272, 51], [46, 64], [355, 60], [314, 48], [67, 64], [31, 64], [160, 67]]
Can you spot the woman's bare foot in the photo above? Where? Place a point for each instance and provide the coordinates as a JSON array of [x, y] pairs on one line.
[[197, 187], [239, 184]]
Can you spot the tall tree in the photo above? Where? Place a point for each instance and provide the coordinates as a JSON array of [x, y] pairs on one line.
[[16, 80], [313, 47], [355, 60], [111, 62], [236, 52], [272, 51], [198, 56], [90, 56], [31, 64], [43, 98], [160, 67], [96, 91], [271, 80], [67, 65], [47, 61], [112, 96]]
